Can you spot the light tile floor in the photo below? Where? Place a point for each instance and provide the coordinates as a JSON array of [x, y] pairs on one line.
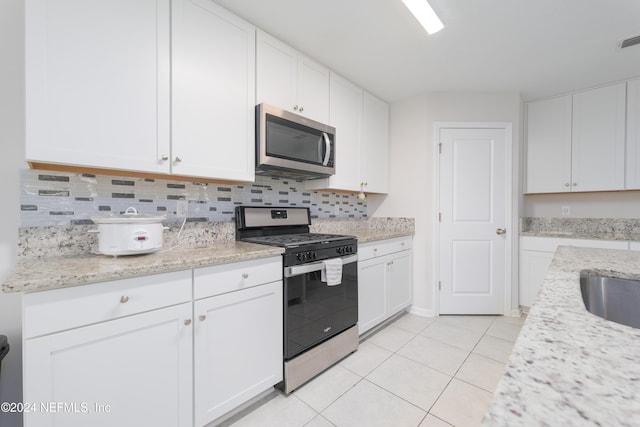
[[416, 371]]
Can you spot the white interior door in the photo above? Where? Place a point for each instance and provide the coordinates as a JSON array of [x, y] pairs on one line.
[[472, 252]]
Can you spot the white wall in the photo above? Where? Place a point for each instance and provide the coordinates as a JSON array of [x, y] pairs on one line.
[[411, 187], [12, 143]]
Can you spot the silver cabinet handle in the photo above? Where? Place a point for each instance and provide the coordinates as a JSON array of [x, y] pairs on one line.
[[202, 317], [124, 299], [178, 159], [575, 184], [295, 108], [187, 322], [501, 231], [301, 109], [566, 184], [164, 157], [245, 275]]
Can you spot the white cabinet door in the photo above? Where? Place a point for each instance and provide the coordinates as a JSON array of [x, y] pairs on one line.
[[633, 135], [549, 145], [533, 268], [634, 246], [346, 116], [213, 92], [372, 299], [374, 144], [313, 90], [277, 72], [399, 281], [131, 371], [290, 80], [597, 150], [237, 349], [97, 83]]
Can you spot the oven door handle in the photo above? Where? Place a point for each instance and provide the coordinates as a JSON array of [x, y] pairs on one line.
[[315, 266]]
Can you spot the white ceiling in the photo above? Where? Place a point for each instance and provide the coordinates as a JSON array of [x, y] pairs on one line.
[[536, 47]]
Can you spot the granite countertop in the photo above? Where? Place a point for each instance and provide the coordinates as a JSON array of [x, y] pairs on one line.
[[33, 274], [568, 366], [39, 274], [583, 235]]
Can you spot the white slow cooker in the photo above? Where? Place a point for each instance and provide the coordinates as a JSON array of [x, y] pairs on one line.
[[131, 233]]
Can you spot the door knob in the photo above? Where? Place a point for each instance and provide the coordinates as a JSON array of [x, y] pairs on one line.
[[501, 231]]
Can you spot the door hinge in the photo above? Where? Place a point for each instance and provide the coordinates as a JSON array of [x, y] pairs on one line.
[[439, 285], [440, 148]]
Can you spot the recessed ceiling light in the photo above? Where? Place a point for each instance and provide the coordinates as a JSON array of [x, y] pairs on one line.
[[424, 13], [632, 41]]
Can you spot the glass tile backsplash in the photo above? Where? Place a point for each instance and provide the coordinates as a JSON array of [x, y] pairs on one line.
[[58, 198]]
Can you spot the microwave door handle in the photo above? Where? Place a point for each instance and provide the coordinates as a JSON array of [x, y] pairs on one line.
[[327, 152]]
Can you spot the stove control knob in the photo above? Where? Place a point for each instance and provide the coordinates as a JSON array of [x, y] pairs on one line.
[[299, 257], [339, 250], [314, 255]]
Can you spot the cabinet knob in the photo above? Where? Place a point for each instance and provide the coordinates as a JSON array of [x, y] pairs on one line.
[[164, 157], [178, 159], [124, 299], [501, 231], [187, 322], [301, 109], [202, 317], [566, 184], [245, 275], [575, 184], [295, 108]]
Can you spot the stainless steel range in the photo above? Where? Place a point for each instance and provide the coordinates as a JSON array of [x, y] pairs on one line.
[[320, 278]]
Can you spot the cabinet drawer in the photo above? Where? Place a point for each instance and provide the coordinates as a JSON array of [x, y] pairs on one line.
[[60, 309], [383, 247], [225, 278], [401, 244]]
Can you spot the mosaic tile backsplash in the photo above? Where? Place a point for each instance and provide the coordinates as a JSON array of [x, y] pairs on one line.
[[63, 199]]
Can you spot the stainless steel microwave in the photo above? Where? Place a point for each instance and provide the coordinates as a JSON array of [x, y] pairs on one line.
[[290, 145]]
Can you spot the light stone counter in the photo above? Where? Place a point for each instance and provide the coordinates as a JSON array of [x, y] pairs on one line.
[[569, 367], [58, 257], [40, 274]]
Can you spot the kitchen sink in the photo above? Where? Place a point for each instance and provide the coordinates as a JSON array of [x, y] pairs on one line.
[[617, 300]]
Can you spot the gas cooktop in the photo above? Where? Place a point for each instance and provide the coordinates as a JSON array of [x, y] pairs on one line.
[[293, 240]]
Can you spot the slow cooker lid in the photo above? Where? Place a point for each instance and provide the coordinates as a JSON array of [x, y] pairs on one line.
[[130, 216]]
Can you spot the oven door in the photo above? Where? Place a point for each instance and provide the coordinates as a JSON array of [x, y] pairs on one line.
[[314, 311]]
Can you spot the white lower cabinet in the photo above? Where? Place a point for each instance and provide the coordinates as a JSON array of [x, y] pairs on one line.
[[237, 348], [384, 280], [125, 371], [536, 254], [141, 351]]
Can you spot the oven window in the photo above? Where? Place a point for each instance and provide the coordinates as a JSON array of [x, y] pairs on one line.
[[315, 312]]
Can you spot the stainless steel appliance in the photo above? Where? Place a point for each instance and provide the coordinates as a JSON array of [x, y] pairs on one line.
[[293, 146], [320, 317]]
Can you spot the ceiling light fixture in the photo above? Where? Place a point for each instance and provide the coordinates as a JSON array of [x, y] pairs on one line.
[[424, 13]]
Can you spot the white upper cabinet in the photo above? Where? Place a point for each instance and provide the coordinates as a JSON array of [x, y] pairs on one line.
[[549, 145], [362, 140], [290, 80], [633, 135], [374, 145], [346, 117], [597, 150], [577, 142], [97, 83], [213, 92]]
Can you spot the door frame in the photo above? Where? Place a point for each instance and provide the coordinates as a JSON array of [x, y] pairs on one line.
[[511, 214]]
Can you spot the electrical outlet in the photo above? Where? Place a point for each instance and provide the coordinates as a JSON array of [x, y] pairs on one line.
[[566, 211], [182, 208]]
